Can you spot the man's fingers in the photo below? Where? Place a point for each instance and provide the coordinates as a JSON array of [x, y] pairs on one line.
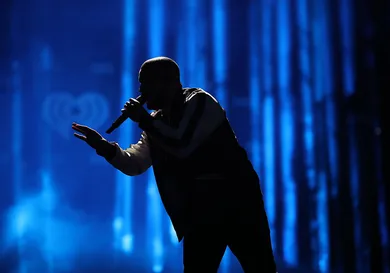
[[81, 128], [78, 129], [80, 136]]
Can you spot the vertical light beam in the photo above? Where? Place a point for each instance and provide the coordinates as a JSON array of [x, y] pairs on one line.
[[123, 228], [306, 91], [190, 36], [254, 93], [307, 100], [46, 178], [268, 116], [322, 84], [328, 87], [155, 209], [286, 122], [322, 212], [306, 96], [17, 133], [219, 50]]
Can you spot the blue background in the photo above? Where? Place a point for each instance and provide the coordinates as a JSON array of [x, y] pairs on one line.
[[294, 77]]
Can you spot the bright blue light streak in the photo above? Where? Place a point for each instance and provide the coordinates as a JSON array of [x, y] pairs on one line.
[[327, 88], [191, 57], [157, 269], [118, 224], [322, 212], [124, 184], [269, 162], [268, 118], [306, 91], [46, 180], [202, 44], [127, 193], [331, 137], [156, 28], [289, 232], [283, 48], [181, 54], [47, 186], [306, 95], [127, 243], [118, 221], [323, 84], [219, 50], [317, 33], [155, 224], [347, 39], [155, 208], [254, 93]]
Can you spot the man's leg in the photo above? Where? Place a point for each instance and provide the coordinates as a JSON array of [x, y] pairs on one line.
[[203, 249], [254, 251], [250, 241], [205, 243]]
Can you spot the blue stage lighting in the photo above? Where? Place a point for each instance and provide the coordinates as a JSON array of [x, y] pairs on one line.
[[154, 206], [124, 184], [290, 251], [269, 137]]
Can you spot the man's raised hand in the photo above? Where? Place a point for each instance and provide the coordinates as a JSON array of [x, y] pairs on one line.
[[89, 135]]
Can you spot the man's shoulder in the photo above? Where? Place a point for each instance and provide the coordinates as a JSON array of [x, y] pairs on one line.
[[195, 92]]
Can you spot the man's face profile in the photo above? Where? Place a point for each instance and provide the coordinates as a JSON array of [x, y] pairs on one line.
[[154, 95]]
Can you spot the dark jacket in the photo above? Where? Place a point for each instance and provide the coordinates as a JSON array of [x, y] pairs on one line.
[[203, 170]]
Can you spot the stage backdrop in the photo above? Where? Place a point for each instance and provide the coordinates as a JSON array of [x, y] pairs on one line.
[[285, 71]]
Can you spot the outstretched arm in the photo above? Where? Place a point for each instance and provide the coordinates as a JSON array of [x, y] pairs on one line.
[[201, 117], [132, 161]]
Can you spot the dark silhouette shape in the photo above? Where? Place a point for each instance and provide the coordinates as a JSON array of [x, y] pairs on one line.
[[206, 182]]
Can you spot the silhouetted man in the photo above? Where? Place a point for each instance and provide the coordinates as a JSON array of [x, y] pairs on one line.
[[206, 182]]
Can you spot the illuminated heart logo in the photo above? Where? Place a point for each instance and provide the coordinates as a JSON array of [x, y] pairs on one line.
[[60, 109]]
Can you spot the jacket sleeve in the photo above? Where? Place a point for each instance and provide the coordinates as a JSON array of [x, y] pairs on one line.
[[201, 117], [134, 160]]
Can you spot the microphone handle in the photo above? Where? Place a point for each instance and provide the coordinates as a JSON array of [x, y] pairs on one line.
[[123, 117]]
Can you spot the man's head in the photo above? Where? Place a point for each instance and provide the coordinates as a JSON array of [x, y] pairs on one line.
[[159, 82]]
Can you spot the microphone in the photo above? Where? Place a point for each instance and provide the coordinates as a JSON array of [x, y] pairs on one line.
[[123, 117]]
